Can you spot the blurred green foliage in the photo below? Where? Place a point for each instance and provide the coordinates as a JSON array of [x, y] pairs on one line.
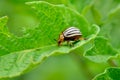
[[104, 13], [20, 15]]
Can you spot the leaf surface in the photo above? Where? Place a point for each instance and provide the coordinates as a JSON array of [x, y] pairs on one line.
[[38, 44], [98, 11], [111, 29], [109, 74], [108, 45], [101, 50]]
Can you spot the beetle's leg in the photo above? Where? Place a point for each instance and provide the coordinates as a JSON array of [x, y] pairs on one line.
[[71, 44], [68, 42], [81, 38]]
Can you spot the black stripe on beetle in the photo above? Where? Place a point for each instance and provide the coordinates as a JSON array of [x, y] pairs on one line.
[[70, 34]]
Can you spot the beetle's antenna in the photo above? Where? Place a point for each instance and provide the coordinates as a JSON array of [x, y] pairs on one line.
[[55, 40]]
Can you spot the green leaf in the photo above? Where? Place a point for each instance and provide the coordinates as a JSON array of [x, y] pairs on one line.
[[92, 14], [109, 74], [105, 6], [38, 44], [97, 12], [57, 2], [79, 5], [111, 29], [3, 28], [20, 62], [101, 50], [3, 22], [3, 32], [96, 15]]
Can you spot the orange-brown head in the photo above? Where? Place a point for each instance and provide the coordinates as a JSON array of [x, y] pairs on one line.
[[61, 39]]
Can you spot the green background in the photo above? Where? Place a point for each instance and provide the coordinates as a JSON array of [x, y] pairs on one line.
[[72, 66]]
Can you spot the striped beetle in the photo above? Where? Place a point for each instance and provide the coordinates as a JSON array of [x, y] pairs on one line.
[[70, 34]]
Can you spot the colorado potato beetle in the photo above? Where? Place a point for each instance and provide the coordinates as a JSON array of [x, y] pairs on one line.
[[70, 34]]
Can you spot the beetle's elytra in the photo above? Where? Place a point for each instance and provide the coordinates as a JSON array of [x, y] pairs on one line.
[[70, 34]]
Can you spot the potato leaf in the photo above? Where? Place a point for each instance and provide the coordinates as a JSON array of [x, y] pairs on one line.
[[109, 74], [101, 50], [37, 44], [97, 12], [106, 47], [111, 29]]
